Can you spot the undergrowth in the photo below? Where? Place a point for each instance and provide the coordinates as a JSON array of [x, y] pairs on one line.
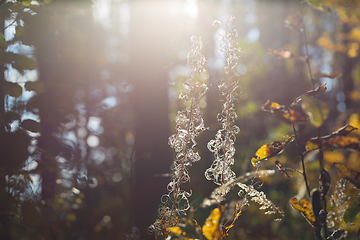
[[329, 214]]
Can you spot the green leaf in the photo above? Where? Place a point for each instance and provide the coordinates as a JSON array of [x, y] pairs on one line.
[[26, 2], [319, 5], [37, 87], [12, 89], [31, 125], [20, 30], [30, 214], [352, 210], [11, 116], [7, 57], [24, 63], [26, 176], [318, 111], [15, 6], [3, 44], [17, 146]]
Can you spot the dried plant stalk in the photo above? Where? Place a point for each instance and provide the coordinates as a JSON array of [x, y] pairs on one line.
[[189, 124], [223, 144]]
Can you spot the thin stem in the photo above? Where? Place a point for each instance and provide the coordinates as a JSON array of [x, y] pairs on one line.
[[313, 85], [17, 18], [307, 58], [302, 160], [321, 154], [131, 181], [185, 149], [228, 99]]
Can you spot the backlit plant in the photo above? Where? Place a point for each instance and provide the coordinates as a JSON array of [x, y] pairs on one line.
[[326, 215]]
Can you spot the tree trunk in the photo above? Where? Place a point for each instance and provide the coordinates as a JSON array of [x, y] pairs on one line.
[[150, 29], [4, 202], [348, 66]]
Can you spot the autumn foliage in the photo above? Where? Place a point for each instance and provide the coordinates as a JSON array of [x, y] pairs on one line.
[[265, 129], [325, 212]]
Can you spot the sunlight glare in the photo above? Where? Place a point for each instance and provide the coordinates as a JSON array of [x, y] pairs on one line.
[[253, 35], [94, 124], [93, 141], [191, 8], [125, 16], [101, 12]]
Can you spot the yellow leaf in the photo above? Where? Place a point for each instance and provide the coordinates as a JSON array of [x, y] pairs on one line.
[[335, 139], [211, 229], [333, 142], [305, 207], [266, 151], [345, 142], [325, 42], [333, 156], [345, 130], [280, 112], [354, 120], [355, 34], [177, 231], [348, 174], [353, 50], [272, 105]]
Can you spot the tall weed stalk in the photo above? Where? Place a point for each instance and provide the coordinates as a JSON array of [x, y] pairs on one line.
[[307, 108], [189, 125]]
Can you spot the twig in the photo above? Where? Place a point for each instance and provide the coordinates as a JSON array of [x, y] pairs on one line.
[[302, 160], [17, 18], [321, 154]]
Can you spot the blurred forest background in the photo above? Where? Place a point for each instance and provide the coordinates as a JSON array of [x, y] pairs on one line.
[[89, 94]]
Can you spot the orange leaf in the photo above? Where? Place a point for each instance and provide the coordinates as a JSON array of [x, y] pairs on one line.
[[305, 207], [266, 151], [348, 174]]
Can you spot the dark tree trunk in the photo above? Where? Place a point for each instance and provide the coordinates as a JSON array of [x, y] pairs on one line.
[[48, 110], [4, 218], [348, 66], [150, 30]]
